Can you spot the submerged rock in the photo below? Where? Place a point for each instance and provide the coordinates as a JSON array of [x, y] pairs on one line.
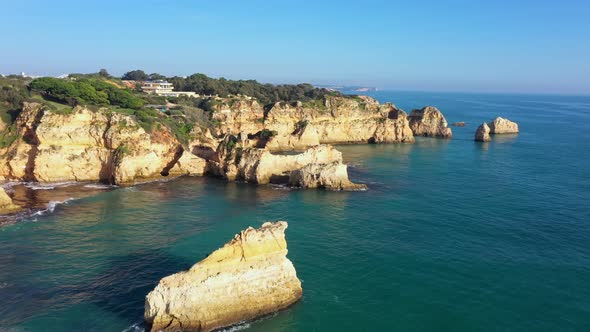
[[482, 134], [429, 121], [6, 204], [247, 278], [503, 126]]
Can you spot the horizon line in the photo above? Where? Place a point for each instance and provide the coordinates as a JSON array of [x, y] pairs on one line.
[[377, 88]]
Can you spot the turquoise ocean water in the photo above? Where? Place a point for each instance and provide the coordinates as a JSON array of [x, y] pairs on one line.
[[452, 235]]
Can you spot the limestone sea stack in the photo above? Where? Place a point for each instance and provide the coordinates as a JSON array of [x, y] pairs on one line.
[[247, 278], [6, 204], [503, 126], [320, 166], [482, 134], [333, 176], [429, 121]]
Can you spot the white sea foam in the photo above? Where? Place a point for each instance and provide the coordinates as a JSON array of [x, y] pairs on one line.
[[8, 185], [51, 207], [239, 327], [280, 186], [100, 186], [49, 186], [134, 328]]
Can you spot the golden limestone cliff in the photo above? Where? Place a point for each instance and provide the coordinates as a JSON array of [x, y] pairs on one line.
[[335, 120], [247, 278], [240, 143], [86, 145], [6, 204]]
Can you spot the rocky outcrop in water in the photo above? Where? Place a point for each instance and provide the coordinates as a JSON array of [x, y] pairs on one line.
[[503, 126], [482, 134], [429, 121], [247, 278], [239, 159], [333, 176], [6, 204]]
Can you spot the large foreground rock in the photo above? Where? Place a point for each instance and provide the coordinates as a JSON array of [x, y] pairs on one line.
[[247, 278], [429, 121], [482, 134], [6, 204], [503, 126]]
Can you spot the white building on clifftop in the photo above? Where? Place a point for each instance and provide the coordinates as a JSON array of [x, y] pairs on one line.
[[164, 88]]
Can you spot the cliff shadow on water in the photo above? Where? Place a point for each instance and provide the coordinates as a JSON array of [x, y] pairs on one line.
[[119, 290]]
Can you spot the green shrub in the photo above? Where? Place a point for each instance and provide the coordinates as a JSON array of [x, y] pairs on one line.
[[266, 133], [7, 137], [301, 124], [85, 91]]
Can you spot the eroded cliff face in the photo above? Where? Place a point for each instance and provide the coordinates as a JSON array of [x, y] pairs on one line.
[[241, 144], [238, 115], [247, 278], [87, 145], [336, 120]]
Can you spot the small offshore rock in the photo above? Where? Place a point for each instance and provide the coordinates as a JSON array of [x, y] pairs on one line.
[[503, 126], [482, 134], [429, 121], [458, 124]]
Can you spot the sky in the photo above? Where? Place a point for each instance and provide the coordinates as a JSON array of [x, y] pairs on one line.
[[517, 46]]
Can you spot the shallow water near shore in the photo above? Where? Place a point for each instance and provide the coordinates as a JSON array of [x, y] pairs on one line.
[[452, 235]]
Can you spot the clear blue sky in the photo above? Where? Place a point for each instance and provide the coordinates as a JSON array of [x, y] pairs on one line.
[[495, 46]]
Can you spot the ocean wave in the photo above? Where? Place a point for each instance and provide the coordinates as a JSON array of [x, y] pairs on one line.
[[51, 207], [8, 185]]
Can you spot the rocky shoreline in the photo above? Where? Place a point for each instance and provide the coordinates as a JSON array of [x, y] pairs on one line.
[[287, 144], [247, 143]]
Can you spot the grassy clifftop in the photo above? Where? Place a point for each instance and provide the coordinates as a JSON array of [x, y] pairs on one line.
[[103, 92]]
